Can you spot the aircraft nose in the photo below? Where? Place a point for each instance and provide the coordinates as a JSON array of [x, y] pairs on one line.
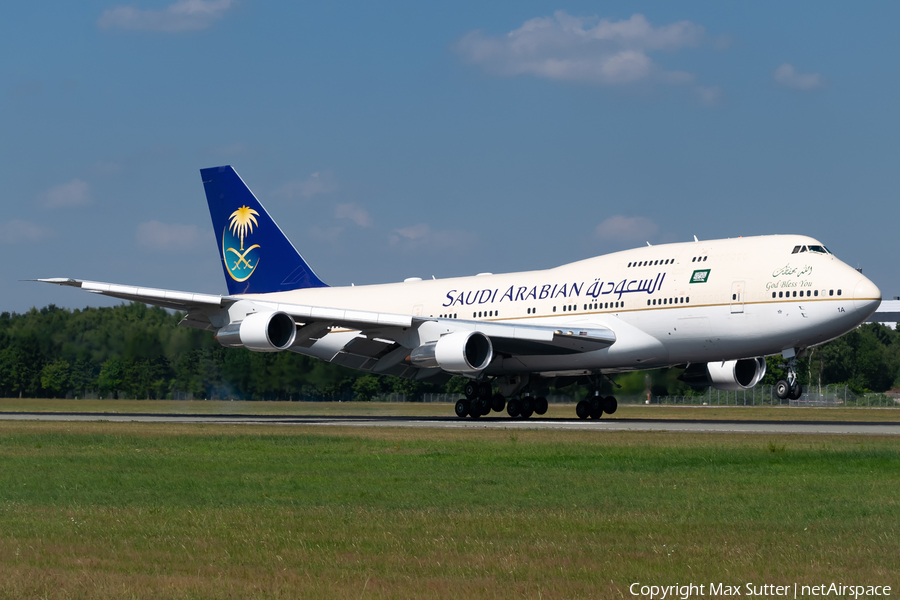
[[866, 297]]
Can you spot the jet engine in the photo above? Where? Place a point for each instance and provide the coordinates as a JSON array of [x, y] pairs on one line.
[[730, 375], [459, 352], [260, 332]]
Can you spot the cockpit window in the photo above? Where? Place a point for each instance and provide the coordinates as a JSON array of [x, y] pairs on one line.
[[821, 249], [796, 250], [803, 249]]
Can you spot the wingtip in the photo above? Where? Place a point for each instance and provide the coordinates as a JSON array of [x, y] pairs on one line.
[[58, 281]]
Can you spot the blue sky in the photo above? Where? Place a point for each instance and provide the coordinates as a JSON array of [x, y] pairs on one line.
[[419, 139]]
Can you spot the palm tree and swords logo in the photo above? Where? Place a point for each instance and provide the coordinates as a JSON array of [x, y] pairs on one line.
[[238, 262]]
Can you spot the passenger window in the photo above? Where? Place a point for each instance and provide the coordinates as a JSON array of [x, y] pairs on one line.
[[773, 294], [839, 292], [831, 292], [779, 294], [648, 303], [734, 296], [816, 293], [688, 299]]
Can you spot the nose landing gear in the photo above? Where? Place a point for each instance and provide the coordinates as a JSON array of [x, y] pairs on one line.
[[790, 388]]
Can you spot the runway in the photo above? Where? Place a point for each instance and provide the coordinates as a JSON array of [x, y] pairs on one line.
[[607, 424]]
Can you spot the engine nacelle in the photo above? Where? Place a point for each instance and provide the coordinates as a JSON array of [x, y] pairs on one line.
[[733, 375], [260, 332], [458, 352]]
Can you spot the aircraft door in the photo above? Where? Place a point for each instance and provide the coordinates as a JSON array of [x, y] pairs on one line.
[[737, 297]]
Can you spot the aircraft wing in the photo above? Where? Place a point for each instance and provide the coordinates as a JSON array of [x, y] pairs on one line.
[[166, 298], [506, 337], [373, 341]]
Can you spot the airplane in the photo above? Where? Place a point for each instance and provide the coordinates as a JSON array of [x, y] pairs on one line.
[[716, 308]]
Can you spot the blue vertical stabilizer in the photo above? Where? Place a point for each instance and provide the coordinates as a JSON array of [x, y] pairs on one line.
[[256, 256]]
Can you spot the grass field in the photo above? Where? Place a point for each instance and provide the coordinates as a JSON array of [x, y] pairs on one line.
[[418, 409], [123, 510]]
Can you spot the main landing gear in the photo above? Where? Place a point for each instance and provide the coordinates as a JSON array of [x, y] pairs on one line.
[[790, 388], [479, 402], [595, 405]]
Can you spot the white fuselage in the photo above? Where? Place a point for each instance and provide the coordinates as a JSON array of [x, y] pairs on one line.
[[667, 304]]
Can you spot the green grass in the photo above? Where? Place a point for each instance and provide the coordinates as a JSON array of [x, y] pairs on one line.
[[419, 409], [108, 510]]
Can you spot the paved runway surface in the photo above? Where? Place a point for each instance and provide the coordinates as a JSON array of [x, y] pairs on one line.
[[607, 424]]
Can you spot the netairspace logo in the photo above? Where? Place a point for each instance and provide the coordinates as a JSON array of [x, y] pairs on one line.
[[721, 590]]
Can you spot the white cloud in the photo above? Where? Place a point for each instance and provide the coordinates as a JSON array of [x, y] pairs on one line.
[[74, 193], [168, 237], [355, 213], [583, 49], [18, 231], [626, 229], [422, 237], [416, 232], [184, 15], [317, 183], [788, 76], [709, 96]]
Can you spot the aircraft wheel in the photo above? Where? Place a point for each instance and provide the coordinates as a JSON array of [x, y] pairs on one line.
[[596, 407], [540, 405], [462, 408], [583, 409], [498, 402], [796, 391], [527, 408], [610, 404], [782, 389], [484, 390], [475, 413], [485, 406], [471, 390], [513, 407]]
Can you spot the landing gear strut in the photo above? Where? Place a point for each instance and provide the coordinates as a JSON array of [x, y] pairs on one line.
[[595, 405], [790, 388], [526, 406], [480, 400]]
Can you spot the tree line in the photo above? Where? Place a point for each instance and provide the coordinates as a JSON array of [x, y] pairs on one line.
[[136, 351]]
